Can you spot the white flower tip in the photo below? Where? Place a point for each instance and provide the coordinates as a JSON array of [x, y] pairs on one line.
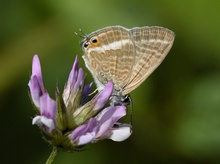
[[42, 120], [120, 134], [36, 120]]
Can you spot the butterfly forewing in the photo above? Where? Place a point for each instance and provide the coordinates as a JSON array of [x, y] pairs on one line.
[[113, 58], [151, 46]]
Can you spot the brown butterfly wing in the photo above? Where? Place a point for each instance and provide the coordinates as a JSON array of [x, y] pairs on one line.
[[113, 58], [151, 46]]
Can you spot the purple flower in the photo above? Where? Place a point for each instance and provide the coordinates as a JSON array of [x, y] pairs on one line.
[[92, 107], [36, 84], [48, 109], [43, 103], [103, 126], [74, 85], [72, 120]]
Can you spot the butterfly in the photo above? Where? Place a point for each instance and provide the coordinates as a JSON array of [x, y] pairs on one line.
[[125, 56]]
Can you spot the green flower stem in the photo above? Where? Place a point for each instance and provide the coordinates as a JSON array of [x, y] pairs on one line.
[[52, 155]]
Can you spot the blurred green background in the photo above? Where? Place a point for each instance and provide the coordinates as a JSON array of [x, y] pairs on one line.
[[176, 111]]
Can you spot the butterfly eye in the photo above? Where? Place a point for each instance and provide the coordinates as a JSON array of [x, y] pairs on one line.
[[94, 41]]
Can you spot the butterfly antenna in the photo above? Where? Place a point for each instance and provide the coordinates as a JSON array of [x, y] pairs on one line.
[[79, 35], [84, 34]]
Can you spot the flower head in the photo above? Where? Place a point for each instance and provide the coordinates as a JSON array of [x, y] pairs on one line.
[[71, 120]]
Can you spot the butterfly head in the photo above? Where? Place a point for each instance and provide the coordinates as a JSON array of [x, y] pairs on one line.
[[90, 42], [121, 100]]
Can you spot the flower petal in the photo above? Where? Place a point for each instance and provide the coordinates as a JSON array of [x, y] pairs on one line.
[[48, 106], [73, 90], [104, 128], [36, 82], [36, 71], [108, 117], [79, 81], [85, 133], [35, 90], [86, 91], [115, 112], [71, 80], [37, 120], [73, 73], [46, 123], [86, 138], [121, 133], [103, 96]]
